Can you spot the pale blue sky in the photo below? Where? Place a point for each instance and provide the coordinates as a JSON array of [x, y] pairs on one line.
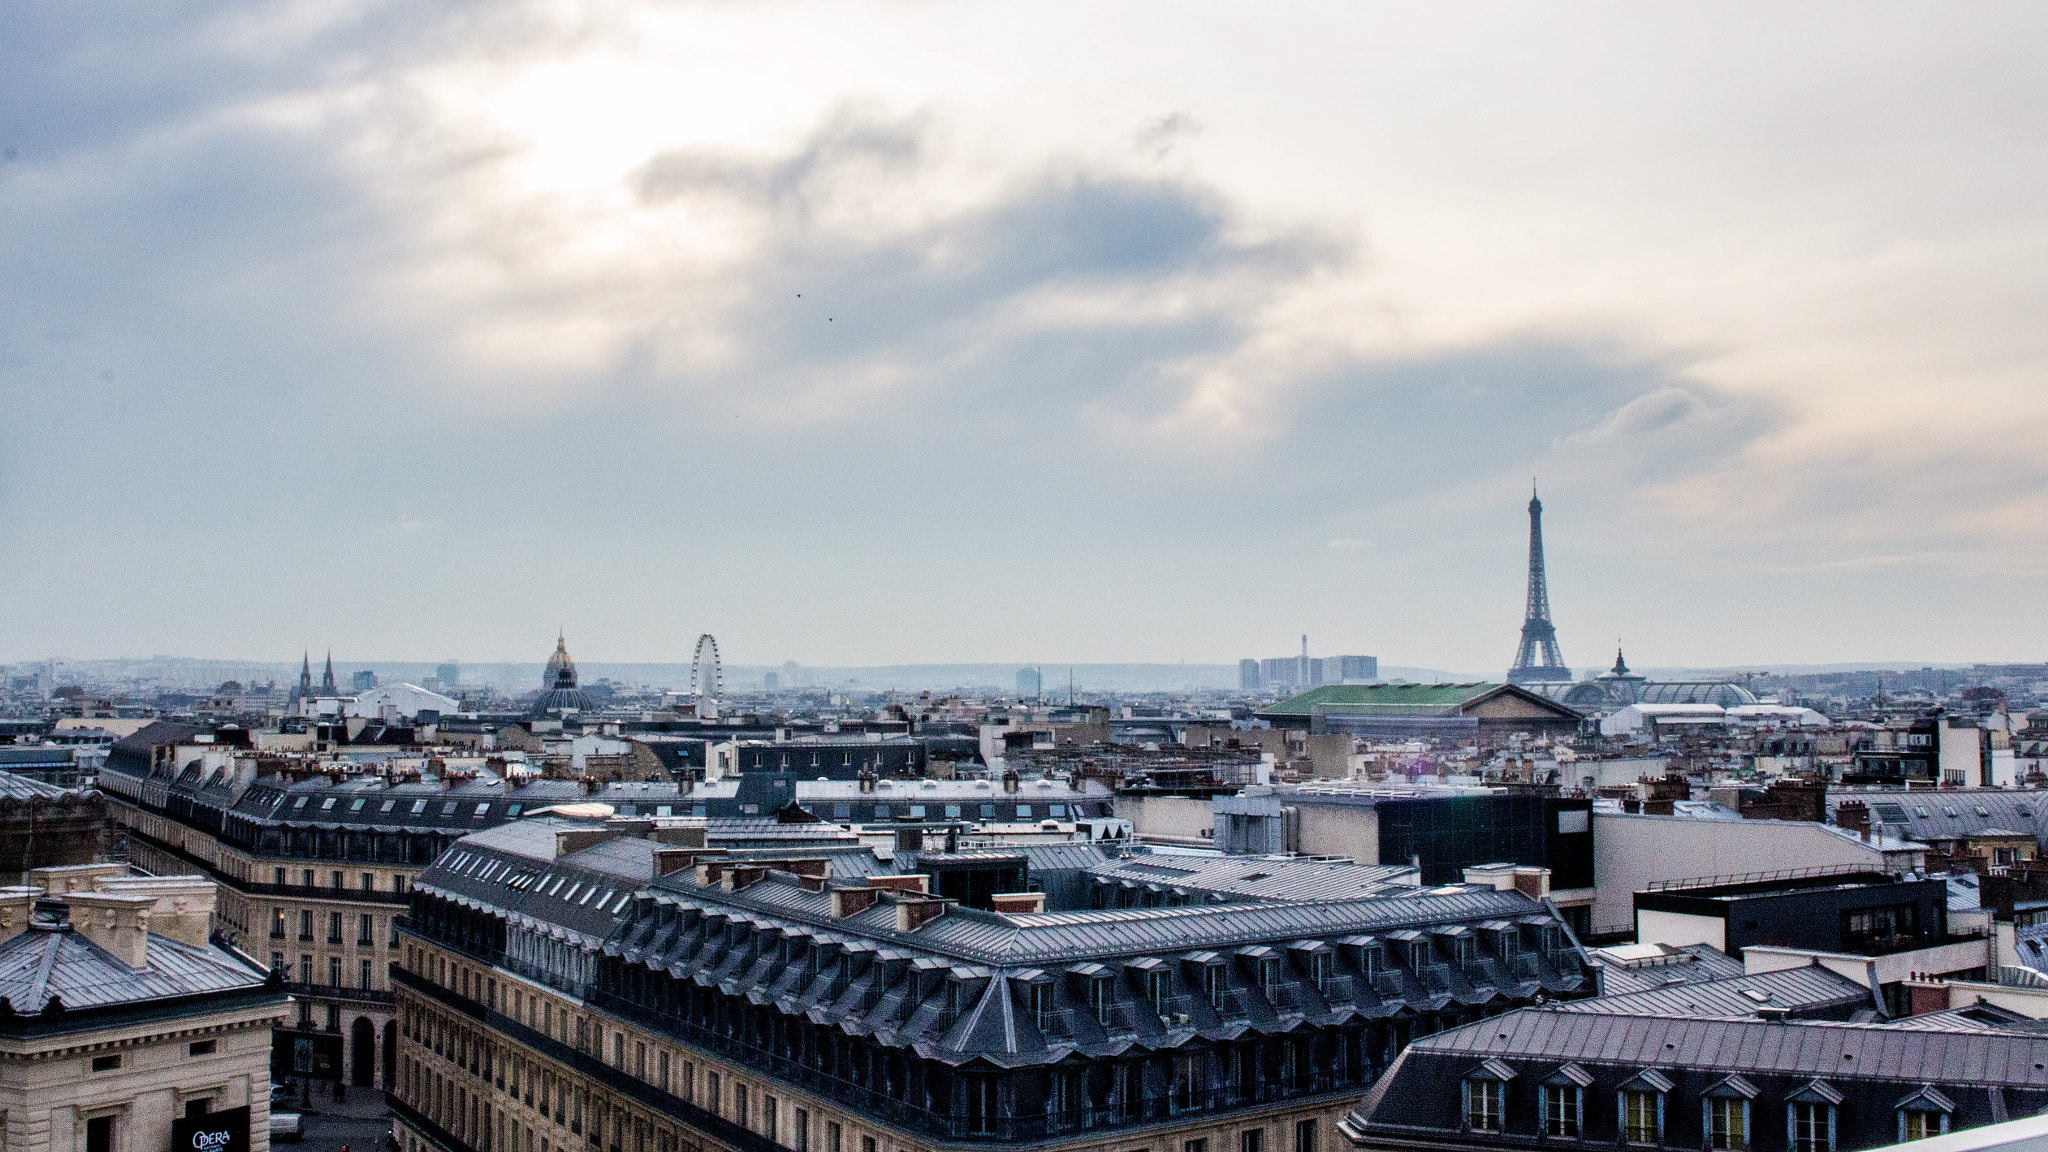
[[874, 333]]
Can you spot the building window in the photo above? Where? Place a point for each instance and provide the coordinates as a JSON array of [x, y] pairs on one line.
[[1484, 1100], [1561, 1111], [305, 923], [99, 1134], [768, 1117], [1639, 1117], [105, 1063], [713, 1098], [277, 924], [1159, 987], [1813, 1127], [334, 1017], [1727, 1124], [1101, 999], [832, 1136], [334, 927], [200, 1048], [1195, 1145], [305, 968], [398, 885], [800, 1134], [366, 976], [334, 971], [277, 961], [1865, 927], [1251, 1140], [1920, 1123], [1041, 1005], [365, 929], [742, 1115], [1305, 1136]]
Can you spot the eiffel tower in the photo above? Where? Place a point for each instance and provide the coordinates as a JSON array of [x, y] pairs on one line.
[[1537, 661]]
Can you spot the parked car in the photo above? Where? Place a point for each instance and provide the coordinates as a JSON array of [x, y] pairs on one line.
[[286, 1128]]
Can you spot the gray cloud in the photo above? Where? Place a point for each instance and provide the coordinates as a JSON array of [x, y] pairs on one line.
[[236, 418]]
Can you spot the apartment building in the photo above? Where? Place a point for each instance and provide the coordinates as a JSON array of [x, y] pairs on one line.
[[314, 857], [564, 985]]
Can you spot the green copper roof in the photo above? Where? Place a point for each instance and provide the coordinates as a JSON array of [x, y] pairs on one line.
[[1416, 699]]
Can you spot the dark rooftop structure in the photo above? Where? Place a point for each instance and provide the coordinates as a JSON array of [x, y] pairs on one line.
[[1579, 1078], [1830, 911], [1279, 999]]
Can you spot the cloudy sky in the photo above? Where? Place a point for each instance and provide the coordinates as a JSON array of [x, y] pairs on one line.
[[865, 333]]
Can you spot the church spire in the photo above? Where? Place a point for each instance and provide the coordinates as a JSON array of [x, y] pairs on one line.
[[306, 675], [327, 680]]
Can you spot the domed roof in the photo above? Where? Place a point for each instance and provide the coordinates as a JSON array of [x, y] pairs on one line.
[[561, 670], [559, 692]]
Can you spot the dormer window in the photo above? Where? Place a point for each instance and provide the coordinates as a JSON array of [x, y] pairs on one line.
[[1923, 1114], [1101, 999], [1040, 1000], [1214, 987], [1563, 1102], [1319, 970], [1486, 1096], [1563, 1109], [1641, 1107], [1269, 978], [1810, 1115], [1726, 1116], [1159, 989]]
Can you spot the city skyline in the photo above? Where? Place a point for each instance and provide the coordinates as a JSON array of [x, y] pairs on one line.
[[869, 334]]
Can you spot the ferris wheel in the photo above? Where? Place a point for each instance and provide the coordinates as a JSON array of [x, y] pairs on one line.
[[704, 670]]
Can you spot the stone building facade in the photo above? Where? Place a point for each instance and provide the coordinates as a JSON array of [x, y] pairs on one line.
[[563, 985]]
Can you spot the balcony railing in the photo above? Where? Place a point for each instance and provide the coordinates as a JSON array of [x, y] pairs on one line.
[[1434, 975], [335, 992]]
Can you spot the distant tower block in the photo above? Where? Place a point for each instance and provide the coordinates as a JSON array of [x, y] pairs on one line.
[[1537, 661]]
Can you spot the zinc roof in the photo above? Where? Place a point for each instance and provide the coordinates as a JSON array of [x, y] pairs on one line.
[[1816, 1048], [1421, 698], [1809, 989], [41, 963]]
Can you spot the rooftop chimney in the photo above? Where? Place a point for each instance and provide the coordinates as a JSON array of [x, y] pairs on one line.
[[847, 901], [915, 882], [1018, 902], [914, 914], [116, 922], [1533, 882], [568, 840], [740, 876]]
